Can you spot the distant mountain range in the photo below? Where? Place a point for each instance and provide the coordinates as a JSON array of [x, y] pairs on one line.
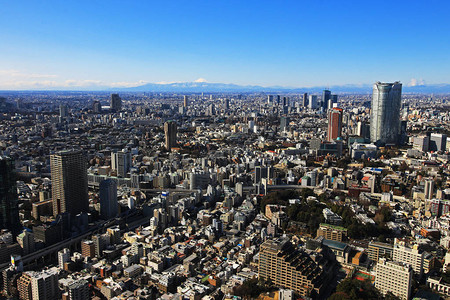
[[207, 87]]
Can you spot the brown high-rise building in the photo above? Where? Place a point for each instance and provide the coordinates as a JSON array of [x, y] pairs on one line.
[[170, 130], [292, 268], [334, 124], [24, 287], [69, 182], [185, 101], [88, 248]]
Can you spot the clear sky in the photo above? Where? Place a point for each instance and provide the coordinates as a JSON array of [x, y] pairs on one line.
[[290, 43]]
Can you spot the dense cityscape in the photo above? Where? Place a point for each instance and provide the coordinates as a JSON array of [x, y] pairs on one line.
[[225, 195]]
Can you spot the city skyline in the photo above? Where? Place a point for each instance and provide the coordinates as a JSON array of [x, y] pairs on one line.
[[294, 45]]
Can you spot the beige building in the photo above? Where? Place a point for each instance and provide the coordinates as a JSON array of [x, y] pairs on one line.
[[394, 277], [331, 232], [291, 268], [409, 255]]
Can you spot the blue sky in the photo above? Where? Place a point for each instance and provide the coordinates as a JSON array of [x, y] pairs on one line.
[[53, 44]]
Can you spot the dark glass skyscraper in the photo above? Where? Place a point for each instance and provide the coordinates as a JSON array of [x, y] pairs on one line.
[[116, 102], [326, 95], [69, 182], [385, 115], [9, 207]]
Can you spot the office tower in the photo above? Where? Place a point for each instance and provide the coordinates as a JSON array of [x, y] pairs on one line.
[[227, 104], [278, 100], [170, 131], [108, 199], [284, 123], [69, 182], [26, 241], [9, 207], [285, 101], [211, 110], [394, 277], [116, 102], [385, 115], [429, 188], [411, 256], [78, 290], [312, 103], [421, 143], [269, 99], [305, 99], [332, 102], [97, 107], [334, 124], [63, 257], [288, 267], [63, 111], [438, 142], [121, 162], [326, 95], [185, 101]]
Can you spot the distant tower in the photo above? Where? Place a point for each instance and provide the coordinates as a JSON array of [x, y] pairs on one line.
[[305, 99], [116, 102], [63, 111], [9, 206], [312, 103], [385, 115], [185, 101], [97, 107], [326, 95], [121, 162], [438, 142], [170, 130], [334, 124], [108, 199], [269, 99], [69, 182], [284, 123], [429, 189], [227, 104]]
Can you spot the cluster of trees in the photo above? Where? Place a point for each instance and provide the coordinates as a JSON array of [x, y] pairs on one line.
[[354, 289], [252, 288]]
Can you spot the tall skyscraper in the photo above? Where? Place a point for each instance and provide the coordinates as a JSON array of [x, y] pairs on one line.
[[121, 162], [305, 99], [185, 101], [429, 189], [312, 101], [269, 99], [108, 199], [226, 104], [116, 102], [385, 115], [284, 123], [9, 207], [97, 107], [334, 124], [69, 182], [63, 111], [170, 130], [326, 95]]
